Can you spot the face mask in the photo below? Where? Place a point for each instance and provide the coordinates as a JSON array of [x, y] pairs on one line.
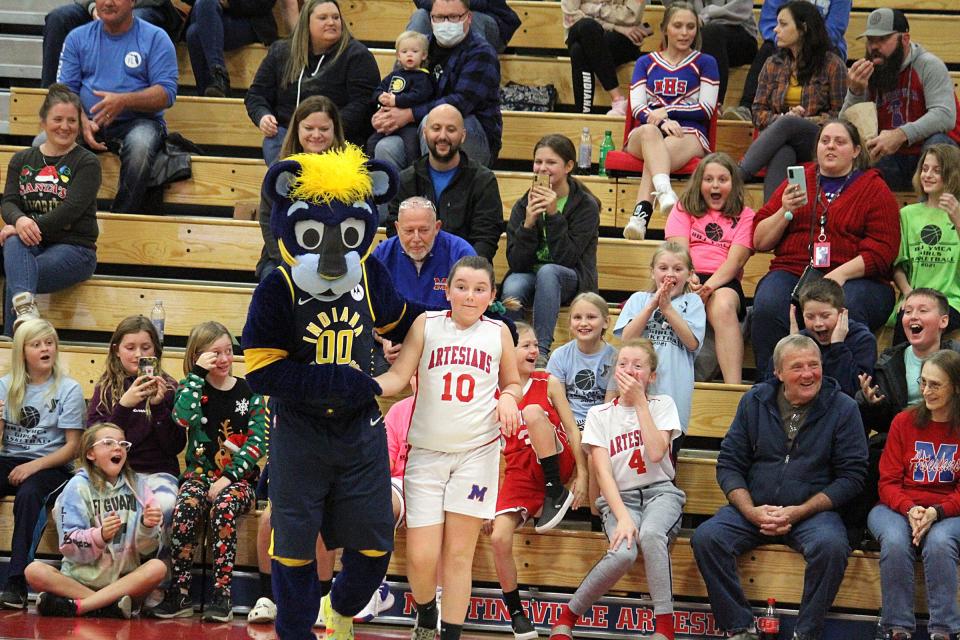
[[449, 34]]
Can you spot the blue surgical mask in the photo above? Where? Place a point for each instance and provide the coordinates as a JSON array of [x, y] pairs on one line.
[[449, 34]]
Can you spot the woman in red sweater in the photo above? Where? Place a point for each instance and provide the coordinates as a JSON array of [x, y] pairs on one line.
[[920, 502], [847, 217]]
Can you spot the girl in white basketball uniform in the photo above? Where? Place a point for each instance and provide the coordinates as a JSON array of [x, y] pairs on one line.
[[450, 484]]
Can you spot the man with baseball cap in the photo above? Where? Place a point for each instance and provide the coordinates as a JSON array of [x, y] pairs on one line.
[[916, 105]]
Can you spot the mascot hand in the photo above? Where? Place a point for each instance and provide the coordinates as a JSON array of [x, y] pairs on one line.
[[361, 381]]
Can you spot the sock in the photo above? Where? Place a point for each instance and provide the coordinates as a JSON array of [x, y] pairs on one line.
[[567, 617], [661, 183], [450, 631], [664, 623], [596, 523], [427, 614], [512, 600], [551, 475], [325, 586], [266, 585]]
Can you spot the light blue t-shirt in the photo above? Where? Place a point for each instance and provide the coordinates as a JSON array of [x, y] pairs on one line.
[[912, 366], [675, 361], [585, 376], [441, 180], [141, 57], [43, 417]]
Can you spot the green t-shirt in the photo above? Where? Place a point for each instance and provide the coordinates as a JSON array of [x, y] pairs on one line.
[[543, 251], [930, 250], [912, 364]]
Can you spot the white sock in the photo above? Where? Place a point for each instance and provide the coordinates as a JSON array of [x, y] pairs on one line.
[[661, 183]]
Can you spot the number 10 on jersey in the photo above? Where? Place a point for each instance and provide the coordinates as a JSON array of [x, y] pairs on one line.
[[462, 387]]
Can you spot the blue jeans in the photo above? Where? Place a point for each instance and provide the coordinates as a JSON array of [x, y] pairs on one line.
[[939, 552], [548, 288], [211, 32], [485, 25], [898, 169], [68, 17], [392, 148], [271, 146], [868, 301], [42, 270], [137, 142], [822, 539]]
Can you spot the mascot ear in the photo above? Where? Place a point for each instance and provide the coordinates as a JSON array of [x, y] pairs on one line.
[[279, 178], [386, 180]]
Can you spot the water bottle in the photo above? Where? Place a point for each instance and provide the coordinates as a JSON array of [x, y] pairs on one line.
[[768, 625], [158, 317], [586, 151], [605, 148]]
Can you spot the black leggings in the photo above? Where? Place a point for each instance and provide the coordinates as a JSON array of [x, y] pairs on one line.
[[594, 51], [732, 46]]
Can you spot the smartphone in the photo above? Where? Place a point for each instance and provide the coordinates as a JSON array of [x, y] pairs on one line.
[[147, 366], [796, 176], [541, 180]]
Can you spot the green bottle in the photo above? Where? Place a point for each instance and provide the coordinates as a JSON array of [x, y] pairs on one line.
[[604, 148]]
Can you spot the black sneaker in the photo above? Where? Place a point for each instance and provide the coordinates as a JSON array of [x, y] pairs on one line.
[[219, 86], [121, 609], [14, 595], [174, 605], [52, 605], [522, 627], [219, 609], [553, 510]]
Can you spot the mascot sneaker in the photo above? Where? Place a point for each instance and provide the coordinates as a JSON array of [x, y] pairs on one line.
[[338, 627]]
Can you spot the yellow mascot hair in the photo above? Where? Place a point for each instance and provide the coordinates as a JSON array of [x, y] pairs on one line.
[[333, 175]]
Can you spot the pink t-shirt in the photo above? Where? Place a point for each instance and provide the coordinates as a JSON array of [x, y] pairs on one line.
[[710, 236], [397, 423]]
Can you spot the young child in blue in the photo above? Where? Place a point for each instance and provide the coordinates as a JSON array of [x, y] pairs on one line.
[[407, 85], [585, 364], [848, 349], [108, 519], [673, 318]]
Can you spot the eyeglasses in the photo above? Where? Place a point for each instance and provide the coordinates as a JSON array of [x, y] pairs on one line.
[[113, 442], [932, 386], [454, 18]]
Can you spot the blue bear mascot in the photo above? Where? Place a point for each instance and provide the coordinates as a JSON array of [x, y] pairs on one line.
[[309, 345]]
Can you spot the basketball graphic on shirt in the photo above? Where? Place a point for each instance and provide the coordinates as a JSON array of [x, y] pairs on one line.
[[931, 234], [585, 379], [29, 417], [714, 231]]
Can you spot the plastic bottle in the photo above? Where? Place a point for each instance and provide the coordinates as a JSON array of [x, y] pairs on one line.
[[585, 156], [158, 317], [605, 147], [768, 625]]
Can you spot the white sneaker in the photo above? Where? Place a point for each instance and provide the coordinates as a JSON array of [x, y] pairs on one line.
[[25, 308], [618, 108], [665, 200], [381, 600], [263, 611], [636, 227]]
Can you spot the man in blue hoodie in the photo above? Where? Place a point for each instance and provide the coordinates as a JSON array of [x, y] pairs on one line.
[[794, 454]]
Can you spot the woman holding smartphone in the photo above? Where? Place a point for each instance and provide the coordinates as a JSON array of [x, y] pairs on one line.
[[552, 239], [842, 221]]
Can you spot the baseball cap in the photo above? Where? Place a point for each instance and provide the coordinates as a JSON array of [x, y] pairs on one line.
[[883, 22]]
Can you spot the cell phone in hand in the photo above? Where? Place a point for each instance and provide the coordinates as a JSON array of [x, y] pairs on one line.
[[795, 175], [147, 366], [541, 180]]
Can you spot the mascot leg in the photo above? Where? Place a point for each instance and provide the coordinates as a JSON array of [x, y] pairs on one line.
[[360, 576], [297, 590]]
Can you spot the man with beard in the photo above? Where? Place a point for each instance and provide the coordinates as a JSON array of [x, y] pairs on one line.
[[464, 193], [466, 71], [916, 104]]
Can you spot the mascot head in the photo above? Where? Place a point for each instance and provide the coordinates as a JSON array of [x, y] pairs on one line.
[[324, 215]]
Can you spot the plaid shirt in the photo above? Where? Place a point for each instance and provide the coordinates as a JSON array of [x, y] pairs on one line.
[[822, 96]]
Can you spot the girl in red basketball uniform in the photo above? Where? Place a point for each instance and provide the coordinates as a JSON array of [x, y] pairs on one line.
[[540, 458]]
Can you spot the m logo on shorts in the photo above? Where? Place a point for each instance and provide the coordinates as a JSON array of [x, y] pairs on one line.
[[477, 493]]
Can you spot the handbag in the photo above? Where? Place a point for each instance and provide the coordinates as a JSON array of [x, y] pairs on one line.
[[520, 97]]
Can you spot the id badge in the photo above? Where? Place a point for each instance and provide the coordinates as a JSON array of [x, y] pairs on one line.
[[821, 254]]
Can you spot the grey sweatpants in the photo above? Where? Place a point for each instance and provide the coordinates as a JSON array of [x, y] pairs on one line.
[[656, 511], [788, 140]]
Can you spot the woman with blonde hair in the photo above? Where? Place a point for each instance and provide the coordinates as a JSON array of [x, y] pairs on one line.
[[319, 58]]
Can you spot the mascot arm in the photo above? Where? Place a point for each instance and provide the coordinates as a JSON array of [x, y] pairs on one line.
[[270, 370], [393, 314]]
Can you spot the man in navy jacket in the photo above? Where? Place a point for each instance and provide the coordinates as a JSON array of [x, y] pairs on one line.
[[794, 454]]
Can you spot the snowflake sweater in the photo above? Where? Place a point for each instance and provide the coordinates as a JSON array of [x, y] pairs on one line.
[[226, 430]]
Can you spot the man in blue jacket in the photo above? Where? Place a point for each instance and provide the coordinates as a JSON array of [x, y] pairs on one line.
[[795, 453]]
